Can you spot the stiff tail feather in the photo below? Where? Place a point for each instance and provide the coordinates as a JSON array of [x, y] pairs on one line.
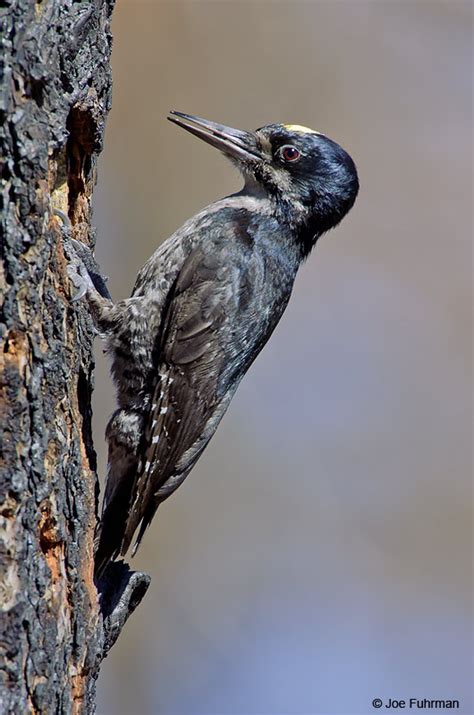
[[110, 530]]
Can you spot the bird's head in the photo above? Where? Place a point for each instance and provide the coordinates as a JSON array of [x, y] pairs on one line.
[[311, 181]]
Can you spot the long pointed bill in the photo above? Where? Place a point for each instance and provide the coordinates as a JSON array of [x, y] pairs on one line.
[[233, 142]]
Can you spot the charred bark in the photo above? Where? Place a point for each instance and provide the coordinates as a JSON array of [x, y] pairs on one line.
[[54, 98]]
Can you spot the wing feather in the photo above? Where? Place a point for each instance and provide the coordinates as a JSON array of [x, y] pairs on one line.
[[186, 395]]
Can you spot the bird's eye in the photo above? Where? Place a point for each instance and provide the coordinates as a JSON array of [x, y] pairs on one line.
[[289, 153]]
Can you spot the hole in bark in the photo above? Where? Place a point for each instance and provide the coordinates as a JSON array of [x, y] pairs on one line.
[[80, 147], [57, 176], [34, 89], [84, 395], [49, 536], [15, 343], [65, 82], [6, 172]]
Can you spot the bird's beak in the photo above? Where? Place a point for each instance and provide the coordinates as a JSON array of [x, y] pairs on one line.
[[233, 142]]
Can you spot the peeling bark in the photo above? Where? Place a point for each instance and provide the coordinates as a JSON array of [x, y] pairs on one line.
[[54, 98]]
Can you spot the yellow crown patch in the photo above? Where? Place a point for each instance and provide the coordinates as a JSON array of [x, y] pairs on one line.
[[299, 128]]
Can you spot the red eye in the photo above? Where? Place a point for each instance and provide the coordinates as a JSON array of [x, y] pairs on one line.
[[290, 153]]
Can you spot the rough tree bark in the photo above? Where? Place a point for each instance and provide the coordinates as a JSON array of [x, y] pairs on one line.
[[54, 98]]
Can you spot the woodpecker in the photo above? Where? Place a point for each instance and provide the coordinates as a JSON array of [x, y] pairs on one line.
[[203, 307]]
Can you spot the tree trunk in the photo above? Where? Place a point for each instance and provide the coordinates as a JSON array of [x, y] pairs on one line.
[[54, 98]]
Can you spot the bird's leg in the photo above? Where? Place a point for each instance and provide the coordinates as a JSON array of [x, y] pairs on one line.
[[106, 314], [85, 254], [102, 309], [85, 275]]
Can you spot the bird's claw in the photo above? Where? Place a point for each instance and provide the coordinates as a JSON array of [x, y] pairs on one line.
[[90, 269], [80, 278], [83, 271]]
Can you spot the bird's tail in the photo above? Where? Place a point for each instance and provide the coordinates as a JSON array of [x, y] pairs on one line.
[[109, 535], [110, 531]]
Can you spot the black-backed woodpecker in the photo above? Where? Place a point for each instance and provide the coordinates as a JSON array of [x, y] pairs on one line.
[[203, 307]]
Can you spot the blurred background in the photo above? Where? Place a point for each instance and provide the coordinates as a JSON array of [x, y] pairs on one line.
[[320, 554]]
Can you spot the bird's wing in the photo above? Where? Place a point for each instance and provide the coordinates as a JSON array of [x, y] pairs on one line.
[[202, 338]]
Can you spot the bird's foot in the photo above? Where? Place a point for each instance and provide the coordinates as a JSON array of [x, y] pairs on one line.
[[83, 270], [80, 278], [85, 255]]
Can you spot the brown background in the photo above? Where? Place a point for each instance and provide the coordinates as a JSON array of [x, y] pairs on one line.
[[320, 553]]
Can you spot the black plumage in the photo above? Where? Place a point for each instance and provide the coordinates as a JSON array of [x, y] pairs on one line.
[[202, 309]]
